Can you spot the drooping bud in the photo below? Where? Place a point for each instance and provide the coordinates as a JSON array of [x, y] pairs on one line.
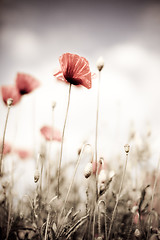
[[100, 63], [88, 170], [102, 176], [127, 148], [9, 102], [36, 176]]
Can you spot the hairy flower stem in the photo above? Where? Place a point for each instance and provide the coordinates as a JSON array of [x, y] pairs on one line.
[[60, 160], [96, 137], [96, 143], [3, 140], [118, 196], [155, 183], [47, 223]]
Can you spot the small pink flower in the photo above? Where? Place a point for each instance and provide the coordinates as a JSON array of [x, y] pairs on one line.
[[10, 92], [50, 134], [6, 149], [26, 83], [23, 154], [75, 70]]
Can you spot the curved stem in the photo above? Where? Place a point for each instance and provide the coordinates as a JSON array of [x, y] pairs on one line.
[[4, 133], [118, 195], [75, 170], [60, 160]]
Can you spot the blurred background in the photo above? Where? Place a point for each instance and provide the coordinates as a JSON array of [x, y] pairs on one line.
[[33, 34]]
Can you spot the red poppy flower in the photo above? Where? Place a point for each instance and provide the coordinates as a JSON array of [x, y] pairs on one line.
[[6, 149], [75, 70], [23, 154], [26, 83], [10, 92], [50, 134]]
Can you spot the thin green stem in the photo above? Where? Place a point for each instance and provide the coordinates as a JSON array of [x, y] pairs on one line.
[[3, 140], [118, 196], [60, 160]]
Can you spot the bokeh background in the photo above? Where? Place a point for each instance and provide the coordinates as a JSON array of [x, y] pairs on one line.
[[33, 34]]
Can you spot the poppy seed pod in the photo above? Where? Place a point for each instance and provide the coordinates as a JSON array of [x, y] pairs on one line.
[[88, 170], [36, 176], [100, 63], [102, 176], [127, 148], [9, 102]]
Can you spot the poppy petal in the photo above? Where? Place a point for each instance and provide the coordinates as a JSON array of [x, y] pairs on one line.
[[26, 83], [76, 69], [50, 134]]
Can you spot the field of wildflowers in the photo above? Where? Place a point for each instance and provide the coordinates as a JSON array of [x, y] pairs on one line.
[[119, 203]]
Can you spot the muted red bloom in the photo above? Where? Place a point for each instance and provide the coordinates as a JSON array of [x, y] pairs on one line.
[[75, 70], [6, 149], [26, 83], [51, 134], [10, 92], [23, 154]]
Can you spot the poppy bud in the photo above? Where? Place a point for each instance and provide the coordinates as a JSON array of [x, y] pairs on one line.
[[137, 233], [88, 170], [36, 176], [53, 105], [127, 148], [102, 176], [100, 63], [9, 102]]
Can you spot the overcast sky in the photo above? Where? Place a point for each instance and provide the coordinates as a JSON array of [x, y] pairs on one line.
[[33, 34]]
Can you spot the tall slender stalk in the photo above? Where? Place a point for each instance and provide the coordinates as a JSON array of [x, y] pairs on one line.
[[118, 195], [60, 160], [9, 104], [96, 136], [155, 183]]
